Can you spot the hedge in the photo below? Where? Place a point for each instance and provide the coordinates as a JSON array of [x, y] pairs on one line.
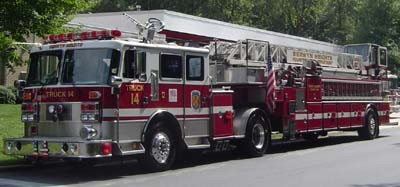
[[7, 96]]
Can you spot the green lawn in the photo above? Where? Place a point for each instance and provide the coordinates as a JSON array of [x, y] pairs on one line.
[[10, 126]]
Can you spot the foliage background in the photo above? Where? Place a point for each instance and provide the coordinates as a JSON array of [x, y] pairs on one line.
[[337, 21]]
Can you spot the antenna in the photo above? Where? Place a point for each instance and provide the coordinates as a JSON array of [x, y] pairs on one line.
[[147, 31]]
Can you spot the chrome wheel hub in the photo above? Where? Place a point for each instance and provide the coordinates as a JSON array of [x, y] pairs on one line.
[[258, 136], [160, 147], [372, 125]]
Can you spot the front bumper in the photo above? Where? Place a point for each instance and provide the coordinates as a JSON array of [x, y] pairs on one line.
[[58, 147]]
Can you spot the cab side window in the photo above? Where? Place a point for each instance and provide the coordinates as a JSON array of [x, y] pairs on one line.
[[171, 66], [134, 63], [194, 68]]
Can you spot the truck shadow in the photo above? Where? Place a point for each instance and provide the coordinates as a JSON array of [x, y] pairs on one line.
[[64, 174]]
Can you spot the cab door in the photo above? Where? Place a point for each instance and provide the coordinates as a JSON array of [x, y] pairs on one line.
[[196, 90]]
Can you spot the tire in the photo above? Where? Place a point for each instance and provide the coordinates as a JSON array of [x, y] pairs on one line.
[[258, 136], [160, 149], [370, 130]]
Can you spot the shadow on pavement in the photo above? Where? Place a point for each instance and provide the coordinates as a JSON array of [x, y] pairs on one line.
[[63, 174], [378, 185]]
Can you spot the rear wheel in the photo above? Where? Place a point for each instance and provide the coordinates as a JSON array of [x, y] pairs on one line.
[[160, 149], [370, 130], [258, 136]]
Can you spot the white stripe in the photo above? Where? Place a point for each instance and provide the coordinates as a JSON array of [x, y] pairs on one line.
[[355, 114], [222, 109], [301, 117], [315, 116], [343, 115], [324, 116], [383, 113]]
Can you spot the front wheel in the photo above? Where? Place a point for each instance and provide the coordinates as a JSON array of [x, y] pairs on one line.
[[370, 130], [258, 136], [160, 149]]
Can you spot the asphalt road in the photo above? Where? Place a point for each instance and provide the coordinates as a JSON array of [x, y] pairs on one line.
[[339, 160]]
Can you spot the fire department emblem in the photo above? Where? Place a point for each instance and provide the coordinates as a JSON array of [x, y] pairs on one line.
[[195, 99]]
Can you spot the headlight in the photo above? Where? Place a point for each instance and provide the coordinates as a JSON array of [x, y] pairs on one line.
[[73, 148], [51, 109], [27, 117], [90, 112], [84, 117], [9, 146]]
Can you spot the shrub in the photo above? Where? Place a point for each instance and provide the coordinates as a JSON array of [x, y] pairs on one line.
[[6, 96], [18, 96]]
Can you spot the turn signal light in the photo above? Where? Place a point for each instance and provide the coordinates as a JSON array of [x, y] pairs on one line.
[[106, 148]]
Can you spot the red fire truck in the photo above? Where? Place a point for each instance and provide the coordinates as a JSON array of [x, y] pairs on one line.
[[99, 94]]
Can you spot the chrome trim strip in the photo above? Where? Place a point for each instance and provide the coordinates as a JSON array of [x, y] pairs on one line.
[[134, 152], [333, 128], [199, 146], [197, 136], [193, 119], [229, 137], [345, 127]]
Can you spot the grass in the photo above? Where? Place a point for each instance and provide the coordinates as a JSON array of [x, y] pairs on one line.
[[10, 127]]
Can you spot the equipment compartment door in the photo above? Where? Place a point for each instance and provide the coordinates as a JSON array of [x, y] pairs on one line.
[[343, 115], [383, 111], [330, 116], [222, 113], [357, 114], [314, 116]]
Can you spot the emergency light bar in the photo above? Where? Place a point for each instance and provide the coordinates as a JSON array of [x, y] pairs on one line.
[[90, 35]]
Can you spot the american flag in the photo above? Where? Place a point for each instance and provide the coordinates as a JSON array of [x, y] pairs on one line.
[[270, 84]]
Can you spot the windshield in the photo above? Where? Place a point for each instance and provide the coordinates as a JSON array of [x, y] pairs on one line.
[[90, 66], [393, 84], [44, 68], [362, 50]]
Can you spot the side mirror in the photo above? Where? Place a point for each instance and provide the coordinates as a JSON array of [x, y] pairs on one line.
[[116, 81], [19, 84]]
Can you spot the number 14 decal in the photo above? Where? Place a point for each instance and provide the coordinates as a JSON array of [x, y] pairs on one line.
[[134, 98]]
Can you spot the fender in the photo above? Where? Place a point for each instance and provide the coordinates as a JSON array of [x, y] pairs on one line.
[[163, 115], [374, 108], [241, 119]]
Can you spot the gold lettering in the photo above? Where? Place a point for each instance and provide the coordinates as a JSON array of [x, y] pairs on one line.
[[134, 98], [134, 88], [60, 94]]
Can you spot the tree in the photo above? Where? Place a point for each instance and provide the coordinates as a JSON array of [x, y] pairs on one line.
[[337, 22], [378, 22], [295, 17], [21, 18]]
